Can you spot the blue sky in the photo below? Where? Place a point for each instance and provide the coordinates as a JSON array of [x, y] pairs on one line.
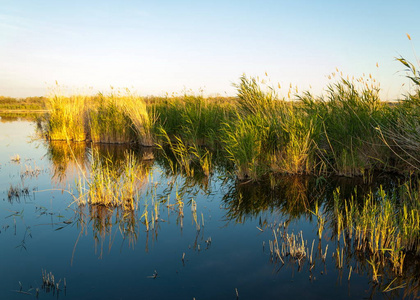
[[158, 47]]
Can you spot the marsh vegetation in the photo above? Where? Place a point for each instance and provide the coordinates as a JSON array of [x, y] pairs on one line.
[[347, 131], [179, 191], [25, 104]]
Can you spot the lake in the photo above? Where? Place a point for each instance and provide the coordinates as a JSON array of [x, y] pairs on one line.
[[218, 244]]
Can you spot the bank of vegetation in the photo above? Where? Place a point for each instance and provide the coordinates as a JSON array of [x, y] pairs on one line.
[[8, 104], [346, 131]]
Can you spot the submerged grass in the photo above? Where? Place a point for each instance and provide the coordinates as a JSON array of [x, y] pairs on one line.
[[376, 233], [112, 185], [382, 230]]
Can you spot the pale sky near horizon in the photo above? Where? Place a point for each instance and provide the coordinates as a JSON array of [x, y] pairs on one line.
[[158, 47]]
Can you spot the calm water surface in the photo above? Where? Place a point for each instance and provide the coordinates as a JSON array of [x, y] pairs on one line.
[[104, 254]]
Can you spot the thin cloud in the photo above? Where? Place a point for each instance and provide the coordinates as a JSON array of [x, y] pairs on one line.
[[25, 25]]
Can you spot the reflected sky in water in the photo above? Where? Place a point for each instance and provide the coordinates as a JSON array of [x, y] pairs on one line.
[[108, 253]]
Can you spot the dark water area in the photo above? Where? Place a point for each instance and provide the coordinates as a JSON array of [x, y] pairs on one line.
[[219, 248]]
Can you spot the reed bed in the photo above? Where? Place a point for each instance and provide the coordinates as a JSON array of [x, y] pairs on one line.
[[108, 122], [346, 131], [119, 117], [142, 119], [348, 115], [194, 119], [66, 118], [339, 132], [25, 104]]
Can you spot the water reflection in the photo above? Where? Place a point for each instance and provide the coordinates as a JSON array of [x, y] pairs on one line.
[[19, 116], [69, 159], [290, 198], [104, 222], [296, 196], [66, 160]]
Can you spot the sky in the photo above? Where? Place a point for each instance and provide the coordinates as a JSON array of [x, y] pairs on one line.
[[158, 47]]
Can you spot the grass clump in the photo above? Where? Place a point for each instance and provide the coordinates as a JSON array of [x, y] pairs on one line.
[[248, 136], [243, 144], [114, 118], [269, 134], [141, 118], [295, 152], [66, 119], [108, 122]]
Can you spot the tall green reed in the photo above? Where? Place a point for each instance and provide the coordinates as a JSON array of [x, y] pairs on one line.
[[188, 158], [348, 114], [269, 134], [402, 135], [243, 145], [196, 120]]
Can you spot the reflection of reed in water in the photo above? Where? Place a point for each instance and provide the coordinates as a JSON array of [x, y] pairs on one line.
[[294, 196], [69, 158], [112, 183], [106, 218], [376, 233], [19, 116], [104, 221], [290, 196], [110, 190], [371, 228]]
